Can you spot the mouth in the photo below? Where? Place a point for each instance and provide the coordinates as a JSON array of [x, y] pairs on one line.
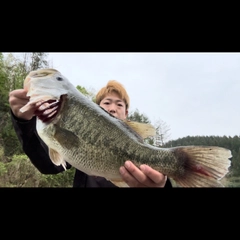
[[48, 110]]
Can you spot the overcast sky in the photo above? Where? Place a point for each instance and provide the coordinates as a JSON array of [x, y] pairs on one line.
[[194, 93]]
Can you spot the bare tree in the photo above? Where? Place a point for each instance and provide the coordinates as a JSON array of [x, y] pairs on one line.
[[38, 60], [162, 133]]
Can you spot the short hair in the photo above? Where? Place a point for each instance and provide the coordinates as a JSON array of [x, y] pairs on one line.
[[113, 86]]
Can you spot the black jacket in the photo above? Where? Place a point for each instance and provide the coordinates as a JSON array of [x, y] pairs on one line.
[[37, 151]]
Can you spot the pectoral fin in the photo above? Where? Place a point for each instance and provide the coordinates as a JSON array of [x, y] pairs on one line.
[[66, 138], [145, 130], [57, 158]]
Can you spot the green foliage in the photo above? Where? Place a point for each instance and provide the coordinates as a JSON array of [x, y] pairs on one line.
[[7, 135], [3, 169], [88, 93], [20, 172], [136, 116], [13, 71], [63, 179], [82, 90]]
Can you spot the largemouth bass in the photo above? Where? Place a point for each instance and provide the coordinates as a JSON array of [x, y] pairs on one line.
[[80, 132]]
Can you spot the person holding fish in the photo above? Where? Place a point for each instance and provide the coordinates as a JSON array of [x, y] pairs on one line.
[[60, 128], [114, 99]]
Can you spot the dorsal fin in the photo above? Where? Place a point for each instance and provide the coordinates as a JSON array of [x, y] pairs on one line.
[[145, 130]]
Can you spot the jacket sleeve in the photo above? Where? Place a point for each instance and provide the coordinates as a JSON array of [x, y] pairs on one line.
[[33, 146]]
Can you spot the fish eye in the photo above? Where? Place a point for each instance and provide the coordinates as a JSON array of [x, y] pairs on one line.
[[59, 79]]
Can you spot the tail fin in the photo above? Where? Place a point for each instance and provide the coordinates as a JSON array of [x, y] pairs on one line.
[[204, 166]]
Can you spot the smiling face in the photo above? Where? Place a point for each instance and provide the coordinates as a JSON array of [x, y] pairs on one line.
[[113, 104]]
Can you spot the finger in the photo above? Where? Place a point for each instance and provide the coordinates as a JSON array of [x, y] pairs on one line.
[[135, 177], [128, 178], [17, 100], [19, 94], [155, 176]]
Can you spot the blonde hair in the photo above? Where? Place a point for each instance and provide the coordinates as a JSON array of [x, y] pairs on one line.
[[113, 86]]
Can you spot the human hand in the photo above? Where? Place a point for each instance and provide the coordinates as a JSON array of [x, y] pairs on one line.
[[143, 177], [17, 99]]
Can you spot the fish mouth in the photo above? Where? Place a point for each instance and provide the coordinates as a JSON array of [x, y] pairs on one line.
[[49, 109]]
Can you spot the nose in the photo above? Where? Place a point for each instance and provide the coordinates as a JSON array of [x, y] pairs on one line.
[[112, 108]]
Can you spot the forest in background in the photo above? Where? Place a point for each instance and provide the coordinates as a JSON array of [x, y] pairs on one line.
[[16, 169]]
